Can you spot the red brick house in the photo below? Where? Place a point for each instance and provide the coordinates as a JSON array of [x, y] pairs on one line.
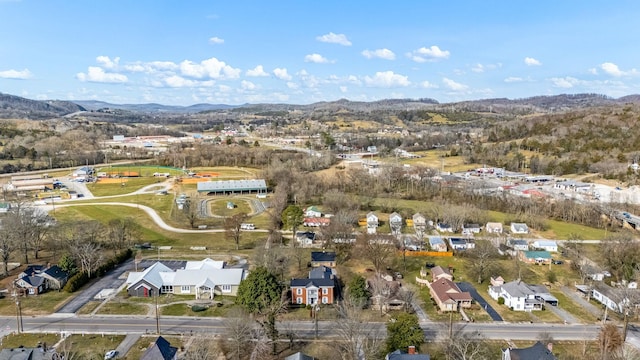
[[312, 291]]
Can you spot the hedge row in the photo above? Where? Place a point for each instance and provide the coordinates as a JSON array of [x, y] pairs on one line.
[[80, 279]]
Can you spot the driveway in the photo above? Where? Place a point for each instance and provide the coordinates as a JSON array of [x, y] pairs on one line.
[[109, 281], [465, 286]]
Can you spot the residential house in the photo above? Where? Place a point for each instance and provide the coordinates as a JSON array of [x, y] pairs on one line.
[[316, 221], [469, 229], [536, 352], [410, 354], [395, 223], [305, 238], [592, 272], [372, 223], [204, 279], [312, 291], [615, 298], [322, 272], [299, 356], [312, 212], [24, 353], [547, 245], [520, 296], [518, 244], [419, 223], [493, 228], [36, 279], [535, 257], [519, 228], [461, 244], [437, 244], [5, 207], [160, 349], [496, 281], [323, 258], [442, 227], [448, 295], [438, 273]]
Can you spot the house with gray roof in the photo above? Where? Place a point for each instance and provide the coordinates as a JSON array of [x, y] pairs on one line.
[[160, 349], [519, 228], [437, 244], [518, 244], [536, 352], [200, 278], [520, 296], [23, 353], [37, 279], [299, 356]]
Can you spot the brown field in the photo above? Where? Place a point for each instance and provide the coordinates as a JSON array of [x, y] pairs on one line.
[[112, 180], [192, 180], [124, 173]]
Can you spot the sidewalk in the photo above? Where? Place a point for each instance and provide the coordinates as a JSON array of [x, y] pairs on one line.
[[594, 310]]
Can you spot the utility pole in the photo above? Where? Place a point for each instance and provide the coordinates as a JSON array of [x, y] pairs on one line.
[[316, 308], [157, 315]]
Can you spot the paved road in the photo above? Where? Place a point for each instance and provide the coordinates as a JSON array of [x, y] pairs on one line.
[[108, 281], [465, 286]]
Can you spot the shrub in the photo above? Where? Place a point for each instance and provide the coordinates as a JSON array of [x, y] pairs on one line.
[[198, 308], [500, 300], [76, 282]]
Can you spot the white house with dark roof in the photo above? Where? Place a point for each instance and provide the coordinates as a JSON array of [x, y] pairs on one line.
[[395, 223], [518, 244], [442, 227], [372, 223], [521, 296], [493, 228], [547, 245]]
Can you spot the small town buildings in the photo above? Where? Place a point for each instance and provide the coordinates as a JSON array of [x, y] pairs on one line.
[[25, 353], [160, 349], [520, 296], [372, 223], [419, 223], [37, 279], [312, 212], [437, 244], [518, 244], [312, 291], [614, 298], [493, 228], [226, 187], [536, 352], [323, 258], [299, 356], [442, 227], [305, 238], [535, 257], [5, 207], [461, 244], [316, 221], [438, 273], [496, 281], [203, 279], [547, 245], [410, 354], [519, 228], [469, 229], [448, 295], [395, 223]]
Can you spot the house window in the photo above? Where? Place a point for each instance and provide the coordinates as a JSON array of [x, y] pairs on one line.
[[325, 291], [185, 289], [299, 291], [166, 289], [325, 300], [299, 300], [226, 288]]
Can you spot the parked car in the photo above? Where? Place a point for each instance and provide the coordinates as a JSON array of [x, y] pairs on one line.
[[430, 265], [557, 262], [111, 354]]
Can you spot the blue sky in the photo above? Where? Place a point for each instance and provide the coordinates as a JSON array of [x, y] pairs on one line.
[[300, 52]]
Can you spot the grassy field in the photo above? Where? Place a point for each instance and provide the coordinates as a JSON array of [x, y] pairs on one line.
[[91, 346], [124, 186], [142, 170], [123, 308], [28, 340], [43, 304], [218, 206]]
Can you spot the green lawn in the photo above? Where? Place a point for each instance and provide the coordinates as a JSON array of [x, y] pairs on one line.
[[218, 206], [218, 309], [28, 340], [91, 346], [127, 185], [43, 304], [123, 308], [142, 170]]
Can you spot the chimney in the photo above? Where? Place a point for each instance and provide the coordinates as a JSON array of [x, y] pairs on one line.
[[550, 347], [412, 350]]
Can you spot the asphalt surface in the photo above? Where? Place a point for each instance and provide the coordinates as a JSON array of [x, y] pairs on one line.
[[465, 286]]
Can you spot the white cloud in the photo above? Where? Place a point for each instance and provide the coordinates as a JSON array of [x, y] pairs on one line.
[[281, 74], [216, 40], [97, 74], [455, 86], [16, 74], [387, 79], [107, 63], [316, 58], [343, 89], [334, 39], [256, 72], [379, 53], [211, 68], [593, 71], [248, 85], [532, 62], [478, 68], [292, 85], [428, 85], [613, 70], [176, 81], [565, 82], [513, 79], [151, 67], [433, 53]]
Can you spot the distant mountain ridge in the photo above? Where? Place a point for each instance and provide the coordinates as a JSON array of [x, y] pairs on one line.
[[12, 106]]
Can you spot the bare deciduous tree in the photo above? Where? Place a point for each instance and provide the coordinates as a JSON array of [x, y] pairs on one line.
[[239, 329], [355, 340], [202, 348], [233, 227]]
